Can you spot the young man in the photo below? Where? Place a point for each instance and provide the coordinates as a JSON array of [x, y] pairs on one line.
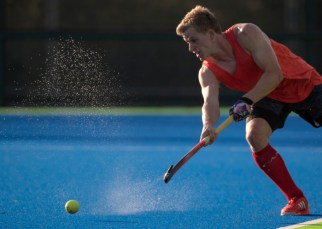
[[275, 82]]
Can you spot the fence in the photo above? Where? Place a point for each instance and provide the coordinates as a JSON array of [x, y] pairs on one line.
[[127, 67]]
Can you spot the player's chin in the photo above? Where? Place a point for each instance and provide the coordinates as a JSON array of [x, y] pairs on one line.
[[201, 57]]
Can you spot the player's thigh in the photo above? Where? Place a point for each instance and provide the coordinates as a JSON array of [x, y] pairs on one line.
[[311, 108], [273, 112]]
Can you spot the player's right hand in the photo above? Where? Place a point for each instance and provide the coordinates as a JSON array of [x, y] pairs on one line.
[[241, 109]]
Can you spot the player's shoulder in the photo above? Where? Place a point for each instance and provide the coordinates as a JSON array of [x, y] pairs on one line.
[[206, 75], [204, 70], [248, 34], [244, 30]]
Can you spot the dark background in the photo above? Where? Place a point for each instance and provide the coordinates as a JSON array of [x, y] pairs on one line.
[[126, 52]]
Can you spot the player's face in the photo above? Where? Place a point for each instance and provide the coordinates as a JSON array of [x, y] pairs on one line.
[[198, 43]]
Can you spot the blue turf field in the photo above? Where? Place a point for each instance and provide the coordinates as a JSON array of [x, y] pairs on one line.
[[114, 165]]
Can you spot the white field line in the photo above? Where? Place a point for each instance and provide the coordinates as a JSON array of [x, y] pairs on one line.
[[299, 225]]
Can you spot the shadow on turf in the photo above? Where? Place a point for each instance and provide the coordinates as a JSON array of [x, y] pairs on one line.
[[314, 215]]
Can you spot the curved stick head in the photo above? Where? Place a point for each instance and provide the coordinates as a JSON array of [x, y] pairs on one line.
[[167, 176]]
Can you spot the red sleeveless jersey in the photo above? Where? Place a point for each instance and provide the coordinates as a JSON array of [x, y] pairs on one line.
[[299, 77]]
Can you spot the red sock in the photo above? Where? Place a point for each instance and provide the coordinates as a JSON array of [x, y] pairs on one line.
[[272, 164]]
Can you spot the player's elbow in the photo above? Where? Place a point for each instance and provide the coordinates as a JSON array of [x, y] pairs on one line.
[[279, 77], [211, 99]]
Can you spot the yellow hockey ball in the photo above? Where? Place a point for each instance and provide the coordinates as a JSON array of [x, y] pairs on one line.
[[72, 206]]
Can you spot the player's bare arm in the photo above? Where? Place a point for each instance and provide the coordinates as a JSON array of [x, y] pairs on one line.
[[256, 42], [210, 109]]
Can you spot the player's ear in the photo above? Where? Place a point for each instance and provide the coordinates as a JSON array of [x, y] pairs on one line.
[[211, 33]]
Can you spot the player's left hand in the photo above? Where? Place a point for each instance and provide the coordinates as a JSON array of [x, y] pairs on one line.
[[241, 109]]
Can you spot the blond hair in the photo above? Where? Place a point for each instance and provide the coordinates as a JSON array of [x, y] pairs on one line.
[[201, 18]]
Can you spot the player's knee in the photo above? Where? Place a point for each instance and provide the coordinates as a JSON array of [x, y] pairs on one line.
[[256, 139]]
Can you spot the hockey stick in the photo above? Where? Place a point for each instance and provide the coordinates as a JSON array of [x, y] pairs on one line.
[[174, 168]]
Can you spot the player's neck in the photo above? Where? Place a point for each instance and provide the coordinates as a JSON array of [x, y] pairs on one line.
[[222, 49]]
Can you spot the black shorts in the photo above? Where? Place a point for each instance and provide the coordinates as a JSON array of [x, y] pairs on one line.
[[275, 112]]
